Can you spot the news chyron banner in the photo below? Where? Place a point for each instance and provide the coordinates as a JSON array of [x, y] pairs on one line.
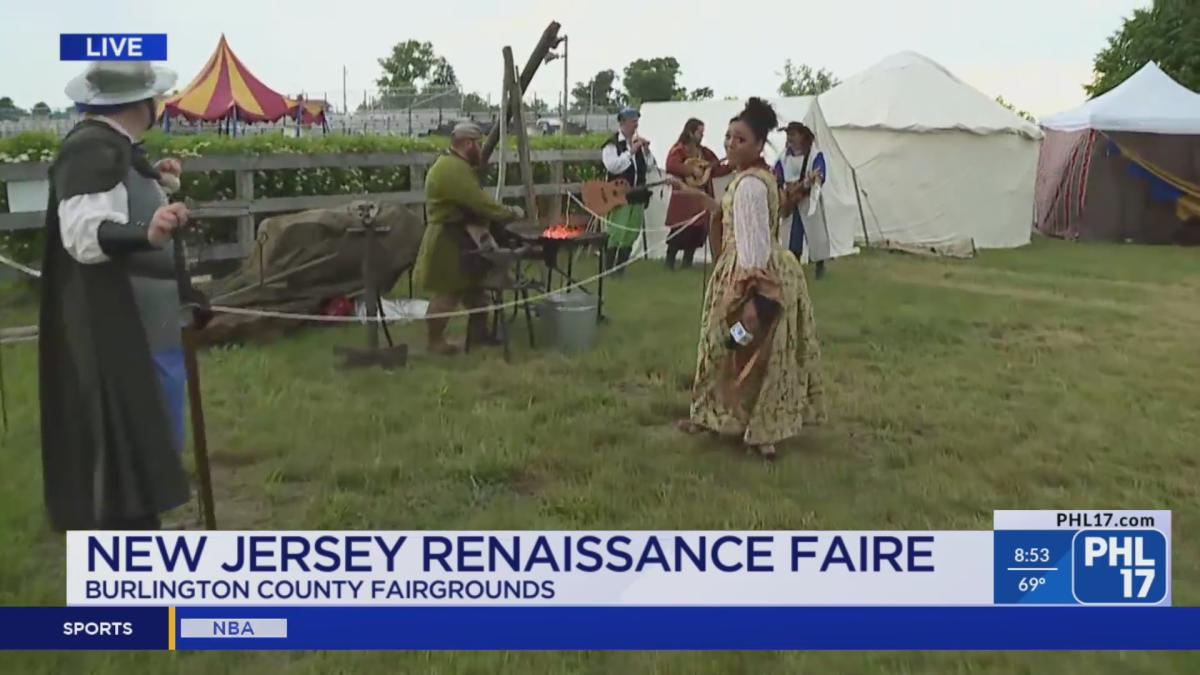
[[1038, 580]]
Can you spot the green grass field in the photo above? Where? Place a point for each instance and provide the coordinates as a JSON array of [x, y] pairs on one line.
[[1056, 376]]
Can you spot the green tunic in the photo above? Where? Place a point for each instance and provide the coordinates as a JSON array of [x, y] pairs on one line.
[[453, 199], [625, 225]]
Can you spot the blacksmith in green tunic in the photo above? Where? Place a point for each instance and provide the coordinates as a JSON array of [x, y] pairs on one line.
[[627, 156], [458, 212], [109, 457]]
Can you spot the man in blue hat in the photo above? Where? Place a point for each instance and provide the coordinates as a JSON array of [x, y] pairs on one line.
[[627, 155]]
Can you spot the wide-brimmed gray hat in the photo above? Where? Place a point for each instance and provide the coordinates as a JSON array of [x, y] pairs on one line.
[[120, 82]]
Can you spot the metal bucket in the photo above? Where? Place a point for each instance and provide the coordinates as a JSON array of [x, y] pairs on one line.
[[568, 321]]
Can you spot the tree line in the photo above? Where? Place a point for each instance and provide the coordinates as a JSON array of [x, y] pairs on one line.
[[414, 72], [9, 112], [1167, 33]]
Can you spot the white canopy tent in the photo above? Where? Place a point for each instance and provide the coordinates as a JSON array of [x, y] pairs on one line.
[[1148, 102], [662, 122], [939, 164]]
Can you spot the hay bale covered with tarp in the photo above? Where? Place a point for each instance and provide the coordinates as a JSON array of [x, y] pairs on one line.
[[304, 260]]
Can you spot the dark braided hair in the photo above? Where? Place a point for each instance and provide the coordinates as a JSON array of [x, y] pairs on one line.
[[760, 117]]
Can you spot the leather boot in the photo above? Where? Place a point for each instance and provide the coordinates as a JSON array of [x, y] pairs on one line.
[[622, 258], [478, 333]]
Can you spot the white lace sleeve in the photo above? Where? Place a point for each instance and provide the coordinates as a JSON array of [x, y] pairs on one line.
[[751, 223]]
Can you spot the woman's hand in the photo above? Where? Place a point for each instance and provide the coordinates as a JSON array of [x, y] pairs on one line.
[[750, 318]]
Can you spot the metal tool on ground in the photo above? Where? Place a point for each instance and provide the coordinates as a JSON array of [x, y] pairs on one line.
[[393, 356]]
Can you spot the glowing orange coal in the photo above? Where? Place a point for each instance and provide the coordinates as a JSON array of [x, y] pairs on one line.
[[562, 232]]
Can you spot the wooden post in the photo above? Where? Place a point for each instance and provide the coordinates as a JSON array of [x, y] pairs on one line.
[[514, 97], [556, 177], [416, 177], [244, 192], [543, 47]]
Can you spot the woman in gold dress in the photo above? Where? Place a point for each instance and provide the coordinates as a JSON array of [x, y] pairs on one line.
[[758, 371]]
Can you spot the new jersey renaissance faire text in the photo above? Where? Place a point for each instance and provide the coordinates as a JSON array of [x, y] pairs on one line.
[[498, 567], [365, 553]]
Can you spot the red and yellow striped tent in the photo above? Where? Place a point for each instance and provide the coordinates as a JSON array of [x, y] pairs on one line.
[[226, 88]]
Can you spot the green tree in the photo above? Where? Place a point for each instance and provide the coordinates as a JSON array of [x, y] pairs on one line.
[[40, 109], [537, 105], [653, 80], [1167, 33], [414, 65], [802, 80], [441, 74], [473, 102], [599, 91], [701, 94], [9, 110]]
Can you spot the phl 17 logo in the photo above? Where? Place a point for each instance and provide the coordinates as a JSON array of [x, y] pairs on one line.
[[1120, 567]]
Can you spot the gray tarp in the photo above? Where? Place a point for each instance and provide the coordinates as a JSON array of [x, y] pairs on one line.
[[304, 260]]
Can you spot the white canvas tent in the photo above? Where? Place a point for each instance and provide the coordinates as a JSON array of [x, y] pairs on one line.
[[662, 122], [939, 164]]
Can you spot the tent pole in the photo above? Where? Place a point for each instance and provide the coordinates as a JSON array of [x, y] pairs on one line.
[[862, 219]]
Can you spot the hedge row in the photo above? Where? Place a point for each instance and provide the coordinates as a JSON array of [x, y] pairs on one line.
[[217, 185]]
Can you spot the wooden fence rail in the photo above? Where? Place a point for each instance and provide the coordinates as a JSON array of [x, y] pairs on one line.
[[245, 206]]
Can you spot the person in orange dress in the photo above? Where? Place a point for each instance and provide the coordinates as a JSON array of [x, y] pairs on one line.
[[697, 166]]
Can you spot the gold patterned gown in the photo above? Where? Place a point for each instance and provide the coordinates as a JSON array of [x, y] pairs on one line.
[[787, 391]]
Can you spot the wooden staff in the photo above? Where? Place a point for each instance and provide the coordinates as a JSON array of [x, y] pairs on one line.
[[187, 301], [514, 95]]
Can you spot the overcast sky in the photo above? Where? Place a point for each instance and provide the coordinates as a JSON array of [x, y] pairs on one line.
[[1036, 53]]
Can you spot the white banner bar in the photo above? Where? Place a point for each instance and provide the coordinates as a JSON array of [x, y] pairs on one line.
[[530, 568]]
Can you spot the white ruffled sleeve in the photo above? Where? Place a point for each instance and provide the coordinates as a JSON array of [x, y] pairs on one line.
[[751, 223], [80, 217]]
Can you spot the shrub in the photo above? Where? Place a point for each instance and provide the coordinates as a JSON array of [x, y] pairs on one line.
[[25, 246]]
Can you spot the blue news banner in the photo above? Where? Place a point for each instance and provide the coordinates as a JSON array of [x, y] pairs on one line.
[[112, 47], [1040, 580]]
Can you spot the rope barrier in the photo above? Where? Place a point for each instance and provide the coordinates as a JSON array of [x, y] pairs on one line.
[[463, 312], [19, 267]]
